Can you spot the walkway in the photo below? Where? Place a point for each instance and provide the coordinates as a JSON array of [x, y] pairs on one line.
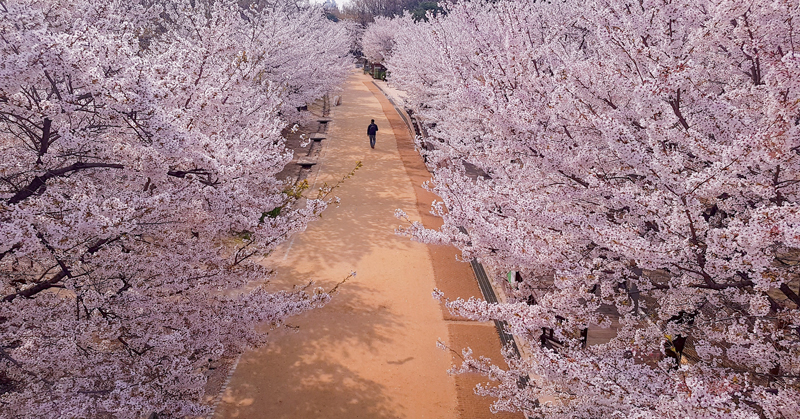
[[370, 353]]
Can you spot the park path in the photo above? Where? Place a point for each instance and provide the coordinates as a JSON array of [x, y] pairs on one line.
[[371, 352]]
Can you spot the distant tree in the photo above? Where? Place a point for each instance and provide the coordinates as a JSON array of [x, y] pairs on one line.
[[140, 145], [420, 12], [641, 164], [331, 10], [365, 11], [378, 38]]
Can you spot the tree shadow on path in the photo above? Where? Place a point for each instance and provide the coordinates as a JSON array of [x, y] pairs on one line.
[[310, 368]]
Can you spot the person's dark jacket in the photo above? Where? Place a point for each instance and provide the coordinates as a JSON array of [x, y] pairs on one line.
[[372, 129]]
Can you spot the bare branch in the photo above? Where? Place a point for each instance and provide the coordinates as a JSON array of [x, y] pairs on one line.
[[675, 103], [39, 181]]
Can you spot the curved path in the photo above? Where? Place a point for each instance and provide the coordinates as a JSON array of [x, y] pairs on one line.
[[371, 352]]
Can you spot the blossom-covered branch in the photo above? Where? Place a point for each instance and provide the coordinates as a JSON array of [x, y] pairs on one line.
[[639, 171]]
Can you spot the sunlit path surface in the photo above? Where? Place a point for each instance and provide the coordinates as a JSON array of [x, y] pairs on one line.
[[371, 352]]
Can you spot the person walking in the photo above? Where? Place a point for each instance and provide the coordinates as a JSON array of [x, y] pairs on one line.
[[372, 130]]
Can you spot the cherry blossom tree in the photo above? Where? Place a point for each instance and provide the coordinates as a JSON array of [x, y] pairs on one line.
[[641, 174], [140, 144], [377, 40]]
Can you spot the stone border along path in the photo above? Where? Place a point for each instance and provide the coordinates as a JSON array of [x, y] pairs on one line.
[[371, 352]]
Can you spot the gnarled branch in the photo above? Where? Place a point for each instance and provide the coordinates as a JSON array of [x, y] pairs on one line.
[[40, 181]]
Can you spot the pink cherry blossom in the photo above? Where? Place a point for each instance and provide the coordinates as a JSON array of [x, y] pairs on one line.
[[640, 170], [140, 144]]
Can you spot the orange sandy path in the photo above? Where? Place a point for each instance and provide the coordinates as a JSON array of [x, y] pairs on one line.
[[371, 352]]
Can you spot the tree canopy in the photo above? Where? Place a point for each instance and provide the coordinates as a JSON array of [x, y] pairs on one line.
[[640, 172], [140, 144]]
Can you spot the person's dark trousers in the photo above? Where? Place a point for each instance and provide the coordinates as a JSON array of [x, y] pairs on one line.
[[372, 140]]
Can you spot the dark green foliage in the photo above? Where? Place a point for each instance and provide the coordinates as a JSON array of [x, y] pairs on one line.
[[420, 12], [274, 213]]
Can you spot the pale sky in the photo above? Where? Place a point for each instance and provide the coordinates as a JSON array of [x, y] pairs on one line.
[[339, 3]]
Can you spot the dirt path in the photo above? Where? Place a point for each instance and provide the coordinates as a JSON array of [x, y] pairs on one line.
[[371, 352]]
